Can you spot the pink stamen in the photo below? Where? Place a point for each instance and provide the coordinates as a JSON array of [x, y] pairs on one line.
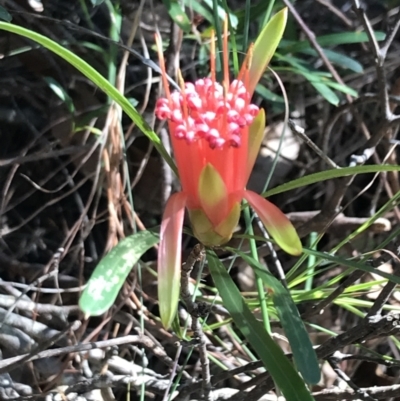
[[206, 110]]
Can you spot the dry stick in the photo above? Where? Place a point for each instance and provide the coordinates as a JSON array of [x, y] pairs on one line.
[[336, 11], [346, 108], [45, 154], [379, 393], [339, 357], [300, 132], [342, 222], [380, 57], [380, 54], [62, 312], [197, 310], [362, 394], [387, 291], [9, 364]]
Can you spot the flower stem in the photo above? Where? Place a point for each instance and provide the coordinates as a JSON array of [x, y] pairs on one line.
[[259, 282]]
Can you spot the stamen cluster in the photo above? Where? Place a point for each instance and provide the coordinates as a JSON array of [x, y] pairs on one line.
[[203, 110]]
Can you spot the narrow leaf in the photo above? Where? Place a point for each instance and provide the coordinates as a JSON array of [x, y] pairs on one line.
[[269, 95], [110, 274], [327, 93], [56, 87], [328, 175], [178, 15], [303, 351], [265, 46], [339, 59], [331, 40], [343, 88], [280, 368], [5, 15], [353, 264]]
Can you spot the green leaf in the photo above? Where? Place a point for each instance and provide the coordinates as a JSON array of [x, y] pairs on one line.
[[61, 93], [275, 361], [319, 80], [97, 79], [349, 263], [302, 348], [200, 9], [256, 10], [110, 274], [327, 93], [327, 175], [5, 15], [342, 88], [331, 40], [265, 46], [178, 15], [269, 95], [338, 59]]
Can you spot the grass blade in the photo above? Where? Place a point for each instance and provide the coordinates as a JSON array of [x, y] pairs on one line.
[[303, 351], [329, 174], [280, 368]]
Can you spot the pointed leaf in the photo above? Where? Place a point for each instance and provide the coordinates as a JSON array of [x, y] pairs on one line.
[[110, 274], [326, 92], [331, 40], [178, 15], [5, 15], [265, 47], [169, 257], [277, 224], [328, 175], [59, 91], [213, 194], [256, 135], [269, 95], [275, 361], [302, 349], [339, 59], [352, 264]]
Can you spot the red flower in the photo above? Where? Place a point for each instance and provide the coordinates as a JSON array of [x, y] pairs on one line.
[[216, 134]]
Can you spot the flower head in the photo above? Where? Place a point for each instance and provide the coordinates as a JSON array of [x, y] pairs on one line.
[[216, 134]]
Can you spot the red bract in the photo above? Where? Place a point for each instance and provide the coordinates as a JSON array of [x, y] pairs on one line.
[[216, 134]]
